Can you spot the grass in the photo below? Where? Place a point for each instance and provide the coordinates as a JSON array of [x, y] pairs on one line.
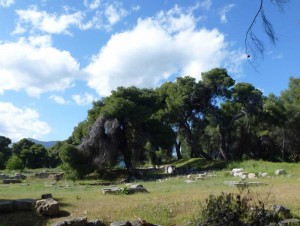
[[172, 201]]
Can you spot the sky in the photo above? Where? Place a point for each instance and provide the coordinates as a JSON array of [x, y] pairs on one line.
[[58, 56]]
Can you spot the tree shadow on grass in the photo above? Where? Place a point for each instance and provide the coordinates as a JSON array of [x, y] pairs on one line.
[[27, 218], [22, 218]]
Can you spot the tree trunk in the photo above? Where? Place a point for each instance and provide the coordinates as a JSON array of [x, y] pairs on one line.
[[223, 143], [177, 147], [241, 143], [126, 153]]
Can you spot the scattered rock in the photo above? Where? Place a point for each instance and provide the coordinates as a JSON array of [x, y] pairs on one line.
[[279, 209], [170, 169], [46, 196], [24, 204], [111, 190], [263, 174], [20, 176], [236, 170], [56, 176], [11, 181], [79, 222], [280, 172], [201, 176], [95, 223], [252, 176], [289, 222], [189, 181], [135, 188], [3, 176], [243, 175], [42, 175], [243, 183], [121, 223], [47, 207], [141, 222]]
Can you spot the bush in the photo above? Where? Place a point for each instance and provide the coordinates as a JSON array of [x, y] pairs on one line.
[[75, 163], [14, 163], [236, 209]]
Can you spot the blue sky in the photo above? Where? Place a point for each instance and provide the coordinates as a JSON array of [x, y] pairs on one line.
[[57, 56]]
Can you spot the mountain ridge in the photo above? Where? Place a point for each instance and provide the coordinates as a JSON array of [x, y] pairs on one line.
[[46, 144]]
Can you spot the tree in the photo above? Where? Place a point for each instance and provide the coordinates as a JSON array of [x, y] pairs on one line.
[[53, 159], [14, 163], [21, 145], [253, 44], [120, 128], [75, 163], [34, 157], [5, 151], [184, 103], [291, 103], [228, 105]]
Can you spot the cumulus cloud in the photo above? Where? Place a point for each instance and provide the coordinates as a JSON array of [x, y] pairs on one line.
[[84, 99], [17, 123], [6, 3], [93, 4], [98, 15], [223, 12], [155, 49], [114, 13], [58, 99], [32, 18], [36, 67], [106, 16]]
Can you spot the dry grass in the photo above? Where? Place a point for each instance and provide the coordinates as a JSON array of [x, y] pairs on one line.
[[170, 202]]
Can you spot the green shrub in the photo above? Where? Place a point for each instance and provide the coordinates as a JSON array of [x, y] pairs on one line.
[[236, 209], [14, 163], [75, 163]]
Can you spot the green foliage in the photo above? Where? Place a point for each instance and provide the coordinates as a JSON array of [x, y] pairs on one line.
[[34, 157], [5, 151], [14, 163], [21, 145], [75, 163], [236, 209]]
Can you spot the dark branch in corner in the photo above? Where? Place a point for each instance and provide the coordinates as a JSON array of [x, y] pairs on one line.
[[253, 45]]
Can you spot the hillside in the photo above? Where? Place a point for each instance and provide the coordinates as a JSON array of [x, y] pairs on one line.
[[46, 144]]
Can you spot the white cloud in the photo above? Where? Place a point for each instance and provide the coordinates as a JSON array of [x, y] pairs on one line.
[[94, 4], [206, 4], [84, 99], [156, 49], [46, 22], [35, 67], [6, 3], [58, 99], [223, 12], [17, 123], [114, 13]]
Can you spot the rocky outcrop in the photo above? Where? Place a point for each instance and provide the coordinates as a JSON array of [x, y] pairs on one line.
[[79, 222], [47, 207], [11, 181], [170, 169], [42, 175], [280, 172], [135, 188]]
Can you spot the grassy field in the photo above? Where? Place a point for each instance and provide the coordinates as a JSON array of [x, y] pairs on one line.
[[170, 201]]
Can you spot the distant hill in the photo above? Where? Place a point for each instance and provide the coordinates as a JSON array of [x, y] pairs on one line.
[[46, 144]]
